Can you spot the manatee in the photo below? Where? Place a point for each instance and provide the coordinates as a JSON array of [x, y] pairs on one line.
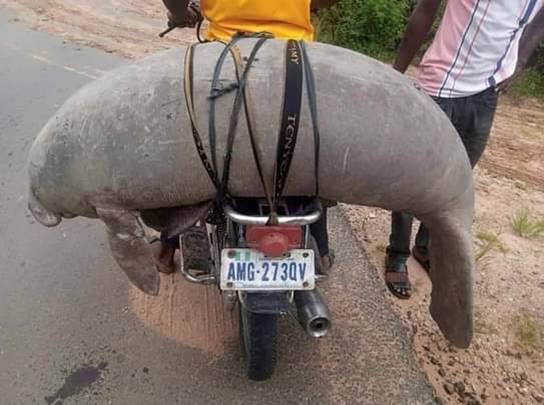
[[123, 146]]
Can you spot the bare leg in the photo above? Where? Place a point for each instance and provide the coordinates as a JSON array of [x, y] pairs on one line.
[[163, 254], [320, 233]]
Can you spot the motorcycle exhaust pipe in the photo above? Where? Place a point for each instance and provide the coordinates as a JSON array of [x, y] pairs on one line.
[[313, 314]]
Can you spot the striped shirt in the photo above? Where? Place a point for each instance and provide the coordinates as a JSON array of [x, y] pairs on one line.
[[475, 47]]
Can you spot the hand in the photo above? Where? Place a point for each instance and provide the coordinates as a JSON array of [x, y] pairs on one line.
[[505, 85], [185, 21], [399, 67], [189, 18]]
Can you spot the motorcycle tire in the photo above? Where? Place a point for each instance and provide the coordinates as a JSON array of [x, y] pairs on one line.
[[259, 335]]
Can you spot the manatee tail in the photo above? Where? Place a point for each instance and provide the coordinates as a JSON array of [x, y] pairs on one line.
[[452, 270]]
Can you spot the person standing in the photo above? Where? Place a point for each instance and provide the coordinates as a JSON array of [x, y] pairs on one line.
[[480, 46]]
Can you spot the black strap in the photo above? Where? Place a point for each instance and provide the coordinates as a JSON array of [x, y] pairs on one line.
[[312, 101], [233, 124], [251, 132], [216, 91], [297, 68], [290, 118], [189, 100], [198, 32], [237, 58]]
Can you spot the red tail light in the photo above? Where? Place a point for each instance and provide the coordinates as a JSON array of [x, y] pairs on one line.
[[274, 241]]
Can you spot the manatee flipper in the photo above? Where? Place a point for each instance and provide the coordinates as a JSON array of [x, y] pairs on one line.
[[40, 213], [130, 248]]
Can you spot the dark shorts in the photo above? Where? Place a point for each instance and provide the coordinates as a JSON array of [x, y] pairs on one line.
[[472, 116]]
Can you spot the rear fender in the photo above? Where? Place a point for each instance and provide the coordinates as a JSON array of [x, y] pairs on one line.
[[266, 302]]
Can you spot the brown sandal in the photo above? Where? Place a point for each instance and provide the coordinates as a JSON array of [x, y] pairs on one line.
[[397, 279]]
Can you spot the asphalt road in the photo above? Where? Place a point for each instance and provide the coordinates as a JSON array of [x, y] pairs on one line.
[[69, 332]]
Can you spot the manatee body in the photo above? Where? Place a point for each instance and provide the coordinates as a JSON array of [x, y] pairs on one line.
[[123, 144]]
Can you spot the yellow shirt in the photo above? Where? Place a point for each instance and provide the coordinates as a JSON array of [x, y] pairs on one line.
[[285, 19]]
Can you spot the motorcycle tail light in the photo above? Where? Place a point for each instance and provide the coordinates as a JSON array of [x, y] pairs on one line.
[[274, 241]]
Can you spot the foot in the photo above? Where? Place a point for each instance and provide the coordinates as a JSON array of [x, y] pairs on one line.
[[422, 258], [327, 261], [163, 256], [396, 278]]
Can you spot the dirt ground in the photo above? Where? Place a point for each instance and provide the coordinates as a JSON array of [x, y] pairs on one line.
[[506, 361]]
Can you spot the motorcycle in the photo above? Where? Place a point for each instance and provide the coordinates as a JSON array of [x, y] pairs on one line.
[[264, 271]]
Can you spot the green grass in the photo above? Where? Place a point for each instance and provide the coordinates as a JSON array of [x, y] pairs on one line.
[[488, 241], [529, 84], [528, 332], [525, 226], [372, 27]]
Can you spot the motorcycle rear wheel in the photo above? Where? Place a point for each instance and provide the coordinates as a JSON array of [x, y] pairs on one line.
[[259, 335]]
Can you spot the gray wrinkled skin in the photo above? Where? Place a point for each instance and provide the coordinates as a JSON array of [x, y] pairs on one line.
[[123, 144]]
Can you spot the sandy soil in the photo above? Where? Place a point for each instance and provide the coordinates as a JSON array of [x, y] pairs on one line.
[[516, 148], [180, 304], [506, 362], [126, 27]]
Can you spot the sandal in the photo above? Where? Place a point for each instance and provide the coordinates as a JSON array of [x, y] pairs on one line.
[[397, 279]]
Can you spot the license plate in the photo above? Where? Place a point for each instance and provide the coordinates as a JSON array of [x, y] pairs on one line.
[[249, 269]]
